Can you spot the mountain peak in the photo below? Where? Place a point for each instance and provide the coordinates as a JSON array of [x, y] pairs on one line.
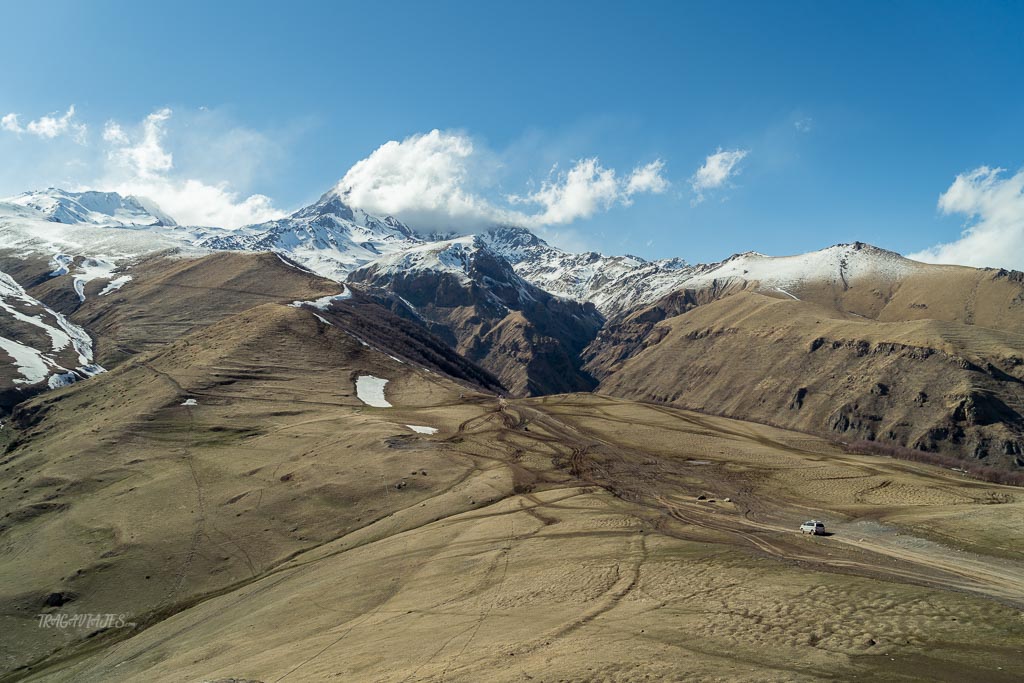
[[93, 207], [334, 204]]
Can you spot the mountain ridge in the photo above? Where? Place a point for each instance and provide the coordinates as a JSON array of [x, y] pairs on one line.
[[542, 320]]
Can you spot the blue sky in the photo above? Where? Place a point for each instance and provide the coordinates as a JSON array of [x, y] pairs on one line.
[[850, 120]]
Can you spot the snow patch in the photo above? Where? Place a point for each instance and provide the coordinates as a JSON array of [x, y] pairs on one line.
[[449, 256], [92, 208], [190, 402], [33, 366], [290, 264], [60, 264], [62, 380], [115, 284], [419, 429], [324, 302], [370, 390], [92, 269]]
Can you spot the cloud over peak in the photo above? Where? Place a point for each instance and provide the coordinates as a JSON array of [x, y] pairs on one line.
[[425, 178], [444, 180], [138, 163]]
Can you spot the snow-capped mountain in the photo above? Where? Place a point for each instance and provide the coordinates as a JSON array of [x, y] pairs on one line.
[[93, 208], [454, 256], [467, 261], [67, 225], [612, 283], [467, 294], [328, 237], [103, 230], [841, 265]]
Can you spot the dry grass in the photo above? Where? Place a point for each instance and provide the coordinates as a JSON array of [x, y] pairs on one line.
[[983, 472]]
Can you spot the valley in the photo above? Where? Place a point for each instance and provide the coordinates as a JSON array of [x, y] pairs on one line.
[[515, 539]]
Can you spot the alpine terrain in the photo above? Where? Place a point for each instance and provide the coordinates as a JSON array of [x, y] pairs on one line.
[[334, 446]]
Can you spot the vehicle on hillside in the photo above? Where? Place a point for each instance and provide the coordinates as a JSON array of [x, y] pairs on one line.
[[813, 527]]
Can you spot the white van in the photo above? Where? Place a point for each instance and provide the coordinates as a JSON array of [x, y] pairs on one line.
[[813, 527]]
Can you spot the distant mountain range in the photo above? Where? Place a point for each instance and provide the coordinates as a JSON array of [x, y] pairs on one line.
[[851, 341]]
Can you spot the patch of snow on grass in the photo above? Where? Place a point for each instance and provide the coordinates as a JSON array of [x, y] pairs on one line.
[[116, 284], [419, 429], [370, 390], [190, 402], [35, 361], [32, 365], [60, 264], [62, 379], [291, 264], [324, 302], [92, 269]]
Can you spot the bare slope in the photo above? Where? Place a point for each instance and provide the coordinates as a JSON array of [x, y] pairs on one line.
[[169, 297], [192, 468], [536, 541]]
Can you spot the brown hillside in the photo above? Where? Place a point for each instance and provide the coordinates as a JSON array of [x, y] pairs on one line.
[[933, 361]]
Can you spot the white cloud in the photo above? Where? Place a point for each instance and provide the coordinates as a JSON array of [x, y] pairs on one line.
[[113, 133], [193, 202], [142, 166], [715, 172], [588, 188], [425, 179], [147, 158], [647, 178], [804, 124], [438, 180], [47, 127], [9, 122], [993, 206], [581, 192]]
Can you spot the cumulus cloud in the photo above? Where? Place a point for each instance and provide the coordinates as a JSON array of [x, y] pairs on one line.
[[588, 188], [47, 127], [425, 179], [438, 180], [138, 163], [993, 207], [647, 179], [718, 168]]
